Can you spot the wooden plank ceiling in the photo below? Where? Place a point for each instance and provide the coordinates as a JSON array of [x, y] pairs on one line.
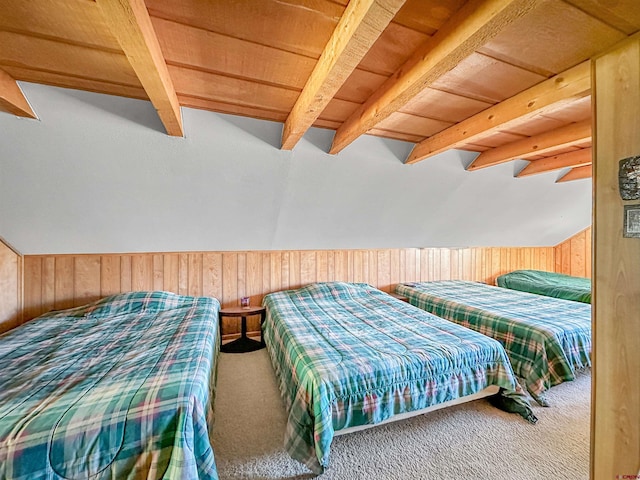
[[507, 78]]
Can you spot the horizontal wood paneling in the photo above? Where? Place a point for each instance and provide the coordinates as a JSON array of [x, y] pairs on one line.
[[61, 281], [10, 288], [573, 256]]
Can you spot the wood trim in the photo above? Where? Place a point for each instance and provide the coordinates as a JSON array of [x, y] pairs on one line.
[[563, 88], [579, 158], [61, 281], [615, 406], [360, 26], [130, 23], [472, 26], [578, 173], [572, 134], [12, 100]]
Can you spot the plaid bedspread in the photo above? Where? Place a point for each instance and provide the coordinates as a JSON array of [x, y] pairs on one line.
[[546, 338], [120, 388], [550, 284], [348, 354]]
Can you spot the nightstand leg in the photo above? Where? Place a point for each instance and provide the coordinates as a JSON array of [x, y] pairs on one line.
[[244, 327]]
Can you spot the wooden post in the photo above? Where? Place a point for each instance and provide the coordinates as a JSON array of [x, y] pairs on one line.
[[615, 432]]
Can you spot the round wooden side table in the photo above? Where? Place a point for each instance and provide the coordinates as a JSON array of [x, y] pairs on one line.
[[244, 343]]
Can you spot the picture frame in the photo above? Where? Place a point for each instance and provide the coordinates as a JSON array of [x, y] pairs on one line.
[[631, 221]]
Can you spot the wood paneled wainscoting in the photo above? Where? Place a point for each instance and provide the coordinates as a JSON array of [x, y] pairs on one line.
[[53, 282], [573, 256]]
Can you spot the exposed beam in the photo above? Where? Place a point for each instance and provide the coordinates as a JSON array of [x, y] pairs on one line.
[[577, 173], [568, 136], [130, 23], [360, 26], [477, 22], [579, 158], [12, 100], [563, 88]]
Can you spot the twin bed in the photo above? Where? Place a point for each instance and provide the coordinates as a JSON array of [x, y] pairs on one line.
[[123, 387]]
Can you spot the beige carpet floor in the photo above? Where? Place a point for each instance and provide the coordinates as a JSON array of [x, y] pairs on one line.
[[470, 441]]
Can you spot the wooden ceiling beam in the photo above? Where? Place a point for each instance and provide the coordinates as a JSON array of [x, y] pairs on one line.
[[577, 173], [579, 158], [563, 88], [567, 136], [477, 22], [130, 23], [12, 100], [359, 27]]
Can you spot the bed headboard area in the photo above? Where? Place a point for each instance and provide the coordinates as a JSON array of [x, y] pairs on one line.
[[10, 287]]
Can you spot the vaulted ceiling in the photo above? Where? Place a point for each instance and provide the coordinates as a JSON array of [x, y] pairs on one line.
[[507, 78]]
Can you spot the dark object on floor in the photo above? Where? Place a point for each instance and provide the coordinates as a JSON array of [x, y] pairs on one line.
[[511, 405]]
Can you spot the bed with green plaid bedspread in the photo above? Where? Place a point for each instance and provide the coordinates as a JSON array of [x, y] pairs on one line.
[[550, 284], [348, 354], [120, 388], [547, 339]]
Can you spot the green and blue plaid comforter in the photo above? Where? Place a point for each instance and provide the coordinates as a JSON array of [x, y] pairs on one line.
[[348, 354], [120, 388], [546, 338], [550, 284]]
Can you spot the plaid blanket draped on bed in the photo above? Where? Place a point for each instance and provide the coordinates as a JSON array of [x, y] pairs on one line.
[[121, 388], [546, 338], [348, 354]]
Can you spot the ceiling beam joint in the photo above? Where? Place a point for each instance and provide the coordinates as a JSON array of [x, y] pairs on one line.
[[130, 23], [359, 27]]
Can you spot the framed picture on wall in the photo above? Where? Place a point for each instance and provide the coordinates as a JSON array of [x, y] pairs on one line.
[[631, 221]]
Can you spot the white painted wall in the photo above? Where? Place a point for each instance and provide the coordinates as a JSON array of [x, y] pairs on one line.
[[96, 174]]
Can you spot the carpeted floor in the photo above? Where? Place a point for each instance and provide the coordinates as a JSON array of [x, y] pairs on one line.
[[470, 441]]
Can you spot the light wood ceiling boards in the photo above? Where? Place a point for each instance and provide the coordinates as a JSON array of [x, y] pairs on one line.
[[552, 38], [469, 28], [477, 75], [64, 43], [621, 14], [566, 87]]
